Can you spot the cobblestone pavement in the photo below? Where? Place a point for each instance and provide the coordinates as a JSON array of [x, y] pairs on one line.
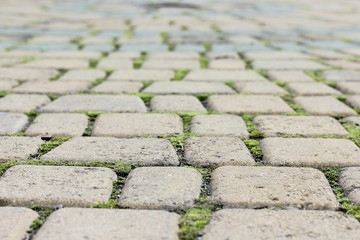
[[206, 119]]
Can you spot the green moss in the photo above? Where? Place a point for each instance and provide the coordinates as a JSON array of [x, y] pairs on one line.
[[145, 97], [204, 62], [289, 99], [32, 115], [171, 46], [280, 84], [3, 94], [208, 47], [44, 213], [60, 74], [184, 28], [215, 28], [110, 204], [165, 37], [192, 222], [178, 140], [263, 73], [97, 82], [254, 132], [354, 133], [91, 120], [254, 148], [138, 63], [203, 97], [94, 63], [53, 96], [49, 145], [180, 74], [230, 84]]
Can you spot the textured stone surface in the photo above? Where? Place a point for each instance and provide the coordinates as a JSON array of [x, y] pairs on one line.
[[173, 55], [256, 187], [350, 182], [219, 125], [312, 152], [22, 103], [141, 75], [236, 104], [56, 64], [6, 85], [71, 55], [23, 74], [113, 63], [52, 87], [342, 75], [354, 120], [354, 101], [289, 76], [306, 126], [161, 188], [146, 151], [15, 222], [18, 148], [11, 123], [113, 87], [277, 55], [175, 103], [288, 64], [312, 89], [217, 151], [349, 87], [270, 224], [89, 75], [97, 224], [207, 75], [134, 125], [171, 64], [95, 103], [227, 64], [259, 88]]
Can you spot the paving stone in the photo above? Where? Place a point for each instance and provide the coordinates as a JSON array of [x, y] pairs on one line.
[[255, 104], [23, 74], [354, 120], [349, 87], [207, 75], [134, 125], [11, 123], [9, 61], [52, 87], [124, 55], [141, 75], [187, 87], [227, 64], [324, 106], [87, 75], [354, 100], [217, 151], [113, 87], [98, 47], [95, 103], [71, 54], [259, 88], [114, 63], [342, 75], [144, 47], [330, 54], [22, 103], [6, 85], [171, 64], [56, 64], [222, 55], [15, 222], [97, 224], [50, 186], [145, 151], [278, 55], [176, 103], [18, 148], [190, 48], [174, 55], [312, 89], [257, 187], [18, 53], [350, 182], [311, 152], [288, 64], [270, 224], [344, 64], [58, 125], [219, 125], [161, 188], [289, 76]]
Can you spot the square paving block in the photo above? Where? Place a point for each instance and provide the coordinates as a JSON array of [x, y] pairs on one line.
[[349, 87], [56, 64], [176, 103], [278, 55], [289, 76], [141, 75], [350, 182], [71, 55], [342, 75], [11, 123], [18, 148], [114, 63], [24, 74], [227, 64], [288, 64], [89, 75], [209, 75], [52, 87], [312, 89], [6, 85], [354, 100], [171, 64], [112, 87], [266, 88], [22, 102]]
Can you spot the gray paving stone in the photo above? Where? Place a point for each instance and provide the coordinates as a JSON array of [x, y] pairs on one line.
[[176, 103], [186, 87], [114, 63], [19, 53], [171, 64], [22, 102], [50, 186], [259, 88], [312, 89], [18, 148], [71, 54], [15, 222], [6, 85], [227, 64], [113, 87], [329, 54], [217, 151], [349, 87], [141, 75], [208, 75], [174, 55], [270, 224], [311, 152], [256, 187], [350, 182], [354, 101], [344, 64], [11, 123], [324, 105], [222, 55], [145, 151], [4, 62], [52, 87], [342, 75], [305, 126], [97, 224], [95, 103], [124, 55], [23, 74], [219, 125], [90, 75], [58, 125], [135, 125], [255, 104], [288, 64], [354, 120], [161, 188], [277, 55], [56, 64], [289, 76]]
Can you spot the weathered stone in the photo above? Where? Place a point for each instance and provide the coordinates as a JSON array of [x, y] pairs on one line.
[[289, 76], [354, 120], [174, 55], [227, 64], [56, 64], [141, 75], [51, 186], [161, 188], [22, 103], [255, 104], [271, 224], [52, 87], [171, 64], [95, 103], [312, 152], [176, 103], [23, 74], [217, 151], [219, 125], [349, 87], [113, 87], [288, 64], [312, 89], [71, 54], [125, 55], [329, 54], [277, 55], [344, 64], [7, 62], [259, 88], [11, 123], [342, 75], [207, 75], [6, 85], [354, 101], [222, 55], [134, 125], [350, 182], [90, 75], [146, 151], [97, 224], [256, 187], [15, 222], [114, 63], [18, 148]]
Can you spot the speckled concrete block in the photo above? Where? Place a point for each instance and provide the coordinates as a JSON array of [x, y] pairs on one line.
[[344, 64], [324, 106], [113, 87], [349, 87], [56, 64], [51, 186], [176, 103], [146, 151], [312, 152], [53, 87], [15, 222], [171, 64], [58, 125], [350, 182], [342, 75], [134, 125], [113, 63], [161, 188], [255, 104], [354, 101], [11, 123], [71, 54], [289, 76], [266, 88], [305, 126], [312, 89], [271, 224], [124, 55], [87, 75], [257, 187], [173, 55], [22, 102], [219, 125], [27, 74], [142, 75], [217, 151], [286, 55], [6, 85], [95, 103], [354, 120], [18, 148], [227, 64], [207, 75], [288, 64], [98, 224]]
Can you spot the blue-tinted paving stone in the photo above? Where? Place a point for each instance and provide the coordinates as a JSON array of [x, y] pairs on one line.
[[331, 45], [190, 48], [49, 46], [99, 47], [239, 48], [69, 33], [6, 45], [146, 34], [144, 47], [289, 46]]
